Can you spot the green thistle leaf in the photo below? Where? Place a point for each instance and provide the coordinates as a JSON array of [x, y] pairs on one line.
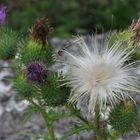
[[8, 43], [55, 115], [77, 128], [25, 89], [52, 93]]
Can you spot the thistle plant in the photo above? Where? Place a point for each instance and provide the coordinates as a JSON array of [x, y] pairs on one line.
[[103, 76]]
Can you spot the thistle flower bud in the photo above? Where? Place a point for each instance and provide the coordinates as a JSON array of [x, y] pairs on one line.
[[37, 73], [124, 117], [40, 31], [2, 14]]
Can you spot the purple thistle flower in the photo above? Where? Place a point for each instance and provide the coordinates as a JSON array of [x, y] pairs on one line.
[[37, 73], [2, 14]]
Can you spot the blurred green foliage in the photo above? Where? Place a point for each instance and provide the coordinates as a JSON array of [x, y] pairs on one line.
[[73, 16]]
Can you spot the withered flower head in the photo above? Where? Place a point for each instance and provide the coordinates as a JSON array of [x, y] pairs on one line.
[[135, 27], [40, 31], [100, 74]]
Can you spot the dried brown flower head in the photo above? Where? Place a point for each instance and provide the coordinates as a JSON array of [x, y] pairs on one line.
[[40, 31], [135, 27]]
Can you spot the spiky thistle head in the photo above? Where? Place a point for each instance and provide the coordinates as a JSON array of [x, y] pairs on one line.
[[37, 73], [100, 74], [124, 117], [40, 31], [2, 14], [31, 52]]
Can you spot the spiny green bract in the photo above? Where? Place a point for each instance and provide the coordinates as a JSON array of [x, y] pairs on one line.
[[8, 43], [124, 117], [24, 88], [124, 37], [52, 94], [30, 53], [35, 52], [48, 55]]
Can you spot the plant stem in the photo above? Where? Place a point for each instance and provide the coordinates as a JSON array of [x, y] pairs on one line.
[[72, 133], [91, 125], [76, 113], [48, 123], [97, 116], [97, 122]]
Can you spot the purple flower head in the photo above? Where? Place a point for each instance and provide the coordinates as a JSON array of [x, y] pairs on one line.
[[2, 14], [37, 73]]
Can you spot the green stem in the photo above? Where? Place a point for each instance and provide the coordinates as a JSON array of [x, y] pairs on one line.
[[72, 133], [45, 117], [76, 113], [99, 135], [97, 116], [91, 125], [49, 124]]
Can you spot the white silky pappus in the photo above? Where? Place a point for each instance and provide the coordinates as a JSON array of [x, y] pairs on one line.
[[100, 74]]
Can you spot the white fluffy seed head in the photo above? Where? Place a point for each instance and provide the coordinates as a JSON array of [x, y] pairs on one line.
[[100, 74]]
